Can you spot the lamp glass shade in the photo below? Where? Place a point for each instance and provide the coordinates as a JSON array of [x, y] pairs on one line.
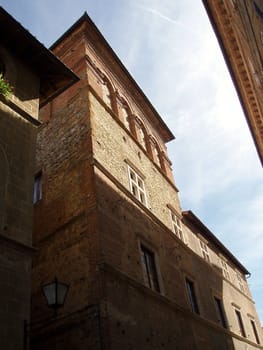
[[50, 293], [55, 293], [62, 290]]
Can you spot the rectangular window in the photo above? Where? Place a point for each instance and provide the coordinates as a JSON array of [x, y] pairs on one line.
[[177, 225], [192, 296], [204, 250], [220, 312], [225, 270], [253, 325], [240, 323], [37, 196], [149, 269], [137, 186]]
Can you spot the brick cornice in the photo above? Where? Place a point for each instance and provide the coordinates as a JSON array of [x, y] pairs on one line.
[[85, 28]]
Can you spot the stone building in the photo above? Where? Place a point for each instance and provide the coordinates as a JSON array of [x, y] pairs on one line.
[[238, 25], [36, 76], [142, 273]]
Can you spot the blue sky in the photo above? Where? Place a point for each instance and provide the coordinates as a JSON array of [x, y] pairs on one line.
[[171, 51]]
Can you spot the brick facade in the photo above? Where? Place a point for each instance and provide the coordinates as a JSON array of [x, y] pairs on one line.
[[94, 218]]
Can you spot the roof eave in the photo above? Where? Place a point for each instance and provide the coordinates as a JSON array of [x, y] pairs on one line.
[[167, 134], [54, 76], [192, 218]]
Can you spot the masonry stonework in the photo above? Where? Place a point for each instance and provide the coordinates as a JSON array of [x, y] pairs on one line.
[[95, 220]]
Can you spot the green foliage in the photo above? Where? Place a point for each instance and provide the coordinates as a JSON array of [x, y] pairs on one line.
[[5, 88]]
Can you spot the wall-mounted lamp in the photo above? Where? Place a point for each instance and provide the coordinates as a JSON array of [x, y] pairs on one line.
[[55, 293]]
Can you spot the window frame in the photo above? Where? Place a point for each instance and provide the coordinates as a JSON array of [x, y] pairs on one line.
[[220, 310], [240, 323], [38, 187], [141, 134], [255, 332], [240, 281], [106, 93], [204, 250], [125, 115], [191, 295], [156, 153], [176, 228], [225, 270], [137, 186], [149, 267]]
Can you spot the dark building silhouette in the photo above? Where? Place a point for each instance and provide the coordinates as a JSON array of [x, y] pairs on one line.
[[34, 81]]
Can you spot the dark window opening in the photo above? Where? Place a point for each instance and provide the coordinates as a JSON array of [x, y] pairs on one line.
[[220, 312], [37, 195], [192, 296], [240, 323], [255, 331], [149, 269]]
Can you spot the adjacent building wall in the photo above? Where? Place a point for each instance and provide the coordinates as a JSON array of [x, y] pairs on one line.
[[31, 80], [238, 25], [17, 157]]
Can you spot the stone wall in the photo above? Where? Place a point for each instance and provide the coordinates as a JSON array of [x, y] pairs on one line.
[[124, 227], [17, 140]]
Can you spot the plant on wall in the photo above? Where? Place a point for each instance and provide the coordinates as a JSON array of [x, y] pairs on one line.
[[5, 88]]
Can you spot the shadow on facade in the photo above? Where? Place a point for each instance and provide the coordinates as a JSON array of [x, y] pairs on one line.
[[110, 307]]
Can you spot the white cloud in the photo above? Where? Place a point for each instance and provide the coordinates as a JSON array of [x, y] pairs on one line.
[[159, 14]]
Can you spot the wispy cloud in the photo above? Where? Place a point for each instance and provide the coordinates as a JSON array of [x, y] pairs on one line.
[[159, 14]]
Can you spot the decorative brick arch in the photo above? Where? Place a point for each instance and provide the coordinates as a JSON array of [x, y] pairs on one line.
[[108, 93], [125, 113], [141, 134], [156, 153]]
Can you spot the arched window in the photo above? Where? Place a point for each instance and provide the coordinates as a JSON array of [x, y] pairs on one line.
[[156, 154], [142, 138], [106, 93], [124, 112], [125, 117], [141, 133]]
